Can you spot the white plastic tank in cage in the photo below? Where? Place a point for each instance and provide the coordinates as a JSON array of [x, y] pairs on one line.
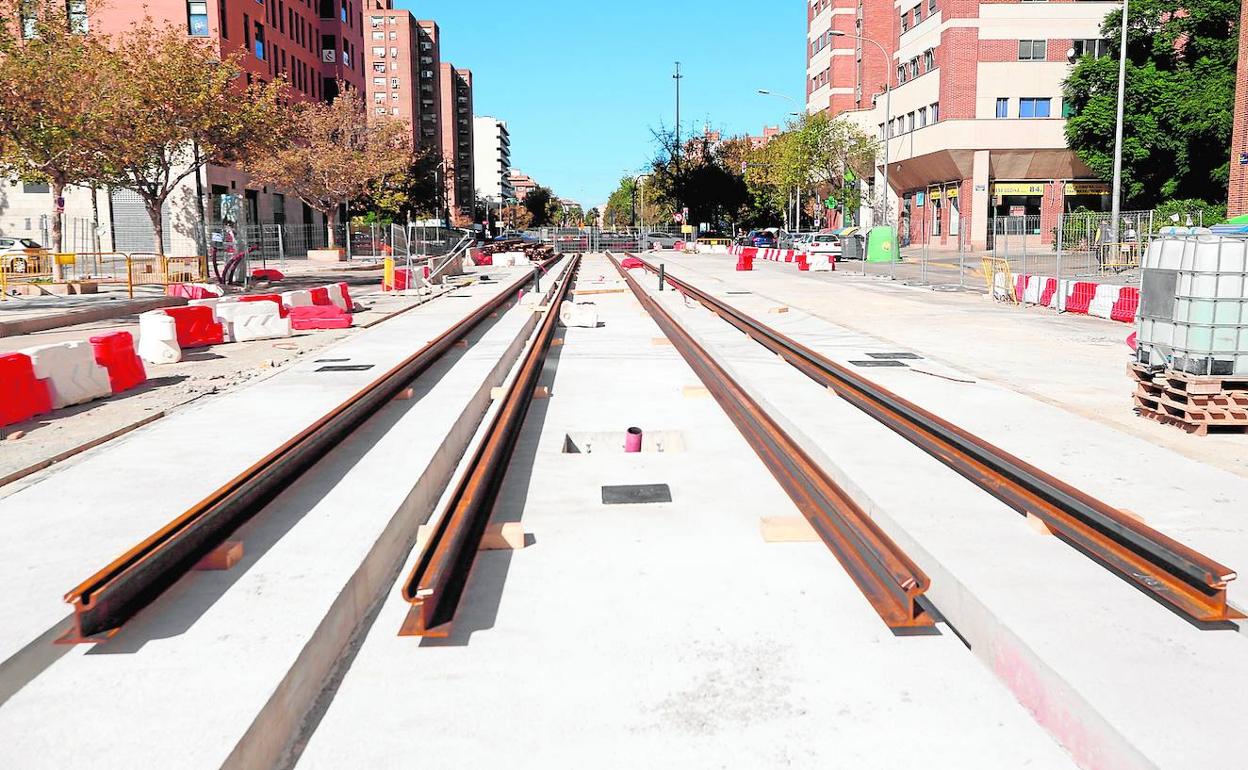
[[1194, 303]]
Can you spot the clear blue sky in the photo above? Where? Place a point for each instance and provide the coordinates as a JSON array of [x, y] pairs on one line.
[[580, 84]]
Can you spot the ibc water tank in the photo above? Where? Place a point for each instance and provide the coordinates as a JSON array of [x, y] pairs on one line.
[[1194, 305]]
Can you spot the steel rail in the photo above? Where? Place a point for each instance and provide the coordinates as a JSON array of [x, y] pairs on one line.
[[114, 594], [437, 581], [1188, 581], [889, 580]]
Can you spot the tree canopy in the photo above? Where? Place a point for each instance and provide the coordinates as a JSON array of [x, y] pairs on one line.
[[1180, 93]]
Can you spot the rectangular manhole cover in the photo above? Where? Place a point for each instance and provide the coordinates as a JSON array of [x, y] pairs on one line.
[[347, 368], [330, 360], [636, 494], [738, 292], [897, 356], [877, 364]]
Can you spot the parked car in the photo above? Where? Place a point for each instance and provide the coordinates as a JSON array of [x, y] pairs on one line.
[[658, 240], [761, 239], [17, 255], [825, 243]]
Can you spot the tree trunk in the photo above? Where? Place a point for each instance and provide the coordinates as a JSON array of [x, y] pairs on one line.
[[330, 225], [158, 225], [58, 231]]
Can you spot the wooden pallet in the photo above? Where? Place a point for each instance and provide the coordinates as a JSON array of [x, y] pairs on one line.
[[1192, 419], [1191, 384]]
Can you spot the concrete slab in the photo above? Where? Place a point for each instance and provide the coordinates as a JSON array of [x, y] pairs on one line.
[[1191, 501], [1110, 673], [1074, 363], [56, 533], [660, 635], [221, 670]]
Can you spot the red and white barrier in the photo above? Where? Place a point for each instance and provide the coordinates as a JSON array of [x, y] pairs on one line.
[[22, 394], [158, 338], [248, 321], [1103, 300], [770, 255], [71, 372]]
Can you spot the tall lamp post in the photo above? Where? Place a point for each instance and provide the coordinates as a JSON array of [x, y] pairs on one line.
[[766, 92], [888, 111], [1116, 205], [676, 160]]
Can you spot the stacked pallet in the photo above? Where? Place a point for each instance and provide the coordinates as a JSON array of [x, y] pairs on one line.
[[1194, 403]]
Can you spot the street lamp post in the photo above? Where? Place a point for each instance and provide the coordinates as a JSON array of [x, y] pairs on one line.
[[797, 208], [1116, 205], [678, 77], [888, 111]]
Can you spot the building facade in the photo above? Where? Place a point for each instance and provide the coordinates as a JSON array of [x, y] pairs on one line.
[[456, 128], [521, 183], [492, 159], [976, 132], [1237, 197]]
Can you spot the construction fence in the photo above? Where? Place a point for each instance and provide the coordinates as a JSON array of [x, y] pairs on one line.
[[21, 274]]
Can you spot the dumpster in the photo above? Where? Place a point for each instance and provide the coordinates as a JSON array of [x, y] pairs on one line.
[[882, 245]]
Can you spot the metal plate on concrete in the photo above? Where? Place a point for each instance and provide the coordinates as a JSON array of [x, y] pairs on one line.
[[870, 364], [330, 360], [347, 368], [896, 356], [636, 494]]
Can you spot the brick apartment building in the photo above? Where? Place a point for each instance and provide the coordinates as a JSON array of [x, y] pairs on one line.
[[456, 128], [977, 125], [1237, 198], [401, 70]]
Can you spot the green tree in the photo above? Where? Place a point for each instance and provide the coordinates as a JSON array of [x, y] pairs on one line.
[[543, 207], [53, 101], [1180, 93], [591, 217]]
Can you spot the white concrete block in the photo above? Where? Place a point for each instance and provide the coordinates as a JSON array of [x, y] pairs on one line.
[[158, 338], [338, 297], [297, 298], [584, 314], [71, 371]]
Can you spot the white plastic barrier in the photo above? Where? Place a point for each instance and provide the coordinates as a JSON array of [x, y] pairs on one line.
[[583, 314], [71, 371], [158, 338], [212, 303], [297, 298], [338, 295], [1102, 305], [246, 321], [820, 263]]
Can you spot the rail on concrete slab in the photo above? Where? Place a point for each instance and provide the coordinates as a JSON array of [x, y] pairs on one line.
[[890, 581], [437, 581], [111, 596], [1191, 583]]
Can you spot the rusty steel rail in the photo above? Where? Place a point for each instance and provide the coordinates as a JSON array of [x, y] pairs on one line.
[[114, 594], [889, 580], [1184, 579], [437, 581]]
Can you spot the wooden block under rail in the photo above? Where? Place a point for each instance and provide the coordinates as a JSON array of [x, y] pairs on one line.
[[508, 536], [787, 529], [223, 557]]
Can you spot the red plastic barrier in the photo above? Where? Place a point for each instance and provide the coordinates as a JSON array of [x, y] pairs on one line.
[[1046, 294], [631, 263], [480, 258], [1133, 341], [1128, 302], [802, 264], [1081, 295], [346, 296], [745, 264], [319, 317], [267, 274], [320, 296], [281, 309], [22, 394], [195, 326], [402, 279], [189, 291], [115, 352]]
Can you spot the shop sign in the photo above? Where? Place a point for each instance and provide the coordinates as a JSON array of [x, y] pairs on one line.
[[1086, 188], [1018, 188]]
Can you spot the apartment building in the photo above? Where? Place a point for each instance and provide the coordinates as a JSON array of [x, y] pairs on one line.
[[764, 139], [313, 43], [521, 183], [456, 128], [492, 158], [976, 128]]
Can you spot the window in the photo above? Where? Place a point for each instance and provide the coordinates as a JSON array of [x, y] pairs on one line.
[[379, 97], [259, 40], [910, 122], [935, 109], [379, 36], [931, 7], [379, 67], [381, 110], [379, 51], [905, 21], [918, 13], [892, 128], [77, 11], [221, 18], [1003, 107], [246, 31], [1033, 107], [1067, 109], [394, 35], [375, 21], [901, 74], [1095, 48], [327, 9], [379, 82], [922, 117], [197, 18], [394, 53], [881, 130], [36, 187], [914, 68], [394, 82], [1032, 50], [929, 60]]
